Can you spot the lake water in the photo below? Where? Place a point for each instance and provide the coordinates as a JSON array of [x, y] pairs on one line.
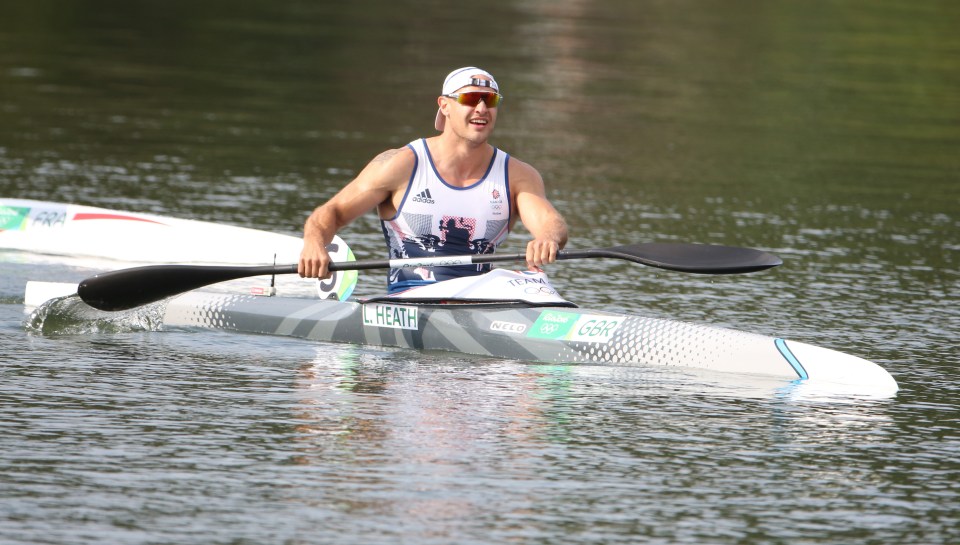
[[827, 133]]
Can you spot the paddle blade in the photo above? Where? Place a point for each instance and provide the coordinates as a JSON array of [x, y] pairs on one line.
[[130, 288], [695, 258]]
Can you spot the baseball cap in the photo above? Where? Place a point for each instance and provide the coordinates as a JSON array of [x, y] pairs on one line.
[[462, 77]]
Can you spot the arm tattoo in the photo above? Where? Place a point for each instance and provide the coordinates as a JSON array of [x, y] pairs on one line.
[[385, 156]]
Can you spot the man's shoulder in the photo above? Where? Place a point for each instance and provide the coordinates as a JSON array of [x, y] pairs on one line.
[[395, 164], [522, 172], [388, 170], [396, 155]]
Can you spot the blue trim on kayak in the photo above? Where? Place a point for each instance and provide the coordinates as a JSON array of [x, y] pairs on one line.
[[791, 359]]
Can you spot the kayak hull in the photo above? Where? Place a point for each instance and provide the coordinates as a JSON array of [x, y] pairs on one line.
[[538, 334]]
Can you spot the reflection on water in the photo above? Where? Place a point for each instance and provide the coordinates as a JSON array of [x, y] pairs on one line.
[[388, 424]]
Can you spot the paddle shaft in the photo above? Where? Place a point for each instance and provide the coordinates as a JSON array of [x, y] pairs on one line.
[[693, 258], [129, 288]]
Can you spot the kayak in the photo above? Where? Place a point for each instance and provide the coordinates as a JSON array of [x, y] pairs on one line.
[[86, 231], [104, 238], [545, 329]]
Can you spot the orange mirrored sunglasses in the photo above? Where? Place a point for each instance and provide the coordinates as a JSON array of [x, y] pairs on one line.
[[492, 100]]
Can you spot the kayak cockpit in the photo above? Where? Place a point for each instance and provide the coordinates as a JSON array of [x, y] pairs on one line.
[[499, 288], [472, 303]]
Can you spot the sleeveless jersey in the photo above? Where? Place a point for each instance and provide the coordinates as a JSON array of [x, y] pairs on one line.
[[436, 219]]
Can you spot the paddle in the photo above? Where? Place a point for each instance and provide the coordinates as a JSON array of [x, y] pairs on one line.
[[129, 288]]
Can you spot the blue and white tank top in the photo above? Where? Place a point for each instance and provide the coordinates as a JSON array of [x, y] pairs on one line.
[[436, 219]]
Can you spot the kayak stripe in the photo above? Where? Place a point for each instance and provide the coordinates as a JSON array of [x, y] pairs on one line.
[[99, 216], [791, 359]]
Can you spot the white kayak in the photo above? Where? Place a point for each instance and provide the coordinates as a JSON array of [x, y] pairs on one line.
[[87, 231], [109, 239]]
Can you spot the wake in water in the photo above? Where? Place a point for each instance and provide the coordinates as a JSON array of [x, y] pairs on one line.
[[71, 316]]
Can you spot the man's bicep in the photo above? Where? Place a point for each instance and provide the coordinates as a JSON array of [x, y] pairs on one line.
[[538, 214], [534, 209], [531, 198], [375, 184]]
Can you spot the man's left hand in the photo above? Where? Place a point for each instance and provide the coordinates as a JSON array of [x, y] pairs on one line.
[[541, 252]]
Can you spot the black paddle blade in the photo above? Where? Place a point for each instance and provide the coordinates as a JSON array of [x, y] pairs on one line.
[[130, 288], [694, 258]]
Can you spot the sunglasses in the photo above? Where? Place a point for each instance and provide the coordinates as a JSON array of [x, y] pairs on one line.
[[492, 100]]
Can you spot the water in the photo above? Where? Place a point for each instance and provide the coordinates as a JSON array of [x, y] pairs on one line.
[[825, 133]]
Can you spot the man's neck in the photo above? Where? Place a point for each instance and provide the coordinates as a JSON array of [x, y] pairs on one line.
[[459, 162]]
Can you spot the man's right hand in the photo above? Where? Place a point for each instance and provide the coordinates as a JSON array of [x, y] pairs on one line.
[[314, 261]]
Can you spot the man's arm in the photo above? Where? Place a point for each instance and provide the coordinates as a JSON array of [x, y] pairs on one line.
[[375, 184], [546, 225]]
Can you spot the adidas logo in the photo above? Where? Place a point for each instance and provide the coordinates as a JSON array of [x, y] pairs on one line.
[[424, 197]]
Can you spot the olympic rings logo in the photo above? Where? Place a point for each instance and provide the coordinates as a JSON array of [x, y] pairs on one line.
[[539, 290], [547, 329]]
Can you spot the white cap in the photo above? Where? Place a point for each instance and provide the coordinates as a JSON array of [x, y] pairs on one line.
[[459, 78]]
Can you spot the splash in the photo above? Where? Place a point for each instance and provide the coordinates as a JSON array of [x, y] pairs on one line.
[[70, 316]]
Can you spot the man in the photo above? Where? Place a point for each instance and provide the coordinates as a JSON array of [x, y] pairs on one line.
[[452, 194]]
